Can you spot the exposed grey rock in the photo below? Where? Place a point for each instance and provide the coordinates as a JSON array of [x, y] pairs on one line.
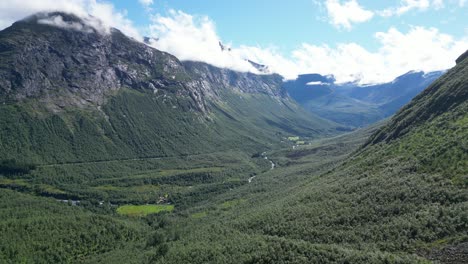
[[68, 66]]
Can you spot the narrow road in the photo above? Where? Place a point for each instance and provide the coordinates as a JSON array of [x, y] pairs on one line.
[[273, 165], [251, 178], [123, 160]]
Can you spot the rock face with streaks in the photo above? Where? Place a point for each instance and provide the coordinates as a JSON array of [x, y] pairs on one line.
[[73, 90], [65, 61]]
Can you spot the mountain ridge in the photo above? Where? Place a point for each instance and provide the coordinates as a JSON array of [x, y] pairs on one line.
[[76, 87]]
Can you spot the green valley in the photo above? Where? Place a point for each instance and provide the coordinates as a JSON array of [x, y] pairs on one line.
[[124, 154]]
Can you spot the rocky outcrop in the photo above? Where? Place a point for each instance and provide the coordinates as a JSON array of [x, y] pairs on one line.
[[53, 63], [215, 79], [64, 61]]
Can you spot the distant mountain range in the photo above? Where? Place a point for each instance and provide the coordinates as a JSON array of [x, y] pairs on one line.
[[355, 105]]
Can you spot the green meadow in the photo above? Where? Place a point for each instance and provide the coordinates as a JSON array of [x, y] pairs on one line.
[[144, 210]]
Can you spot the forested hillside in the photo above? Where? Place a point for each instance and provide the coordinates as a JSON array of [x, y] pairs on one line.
[[121, 153], [402, 198]]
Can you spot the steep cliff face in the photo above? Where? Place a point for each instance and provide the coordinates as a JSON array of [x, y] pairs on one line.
[[77, 67], [63, 61], [70, 84], [214, 78]]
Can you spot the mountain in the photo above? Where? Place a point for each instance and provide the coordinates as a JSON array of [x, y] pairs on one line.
[[73, 91], [402, 197], [355, 105], [114, 152]]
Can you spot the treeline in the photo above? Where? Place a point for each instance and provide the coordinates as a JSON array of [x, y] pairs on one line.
[[13, 167], [42, 230]]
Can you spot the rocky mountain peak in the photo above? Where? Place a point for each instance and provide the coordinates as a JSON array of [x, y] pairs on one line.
[[67, 60]]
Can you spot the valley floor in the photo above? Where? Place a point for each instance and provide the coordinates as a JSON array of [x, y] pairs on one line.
[[280, 206], [204, 186]]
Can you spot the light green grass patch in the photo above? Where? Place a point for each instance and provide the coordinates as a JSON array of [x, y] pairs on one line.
[[13, 182], [199, 215], [50, 189], [229, 204], [144, 210]]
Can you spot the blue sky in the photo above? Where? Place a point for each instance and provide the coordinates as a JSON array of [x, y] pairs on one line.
[[356, 40], [287, 24]]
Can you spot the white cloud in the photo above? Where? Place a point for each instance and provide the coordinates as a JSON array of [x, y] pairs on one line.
[[426, 49], [194, 38], [270, 56], [317, 83], [423, 49], [58, 21], [346, 14], [146, 2], [462, 3], [13, 10], [410, 5]]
